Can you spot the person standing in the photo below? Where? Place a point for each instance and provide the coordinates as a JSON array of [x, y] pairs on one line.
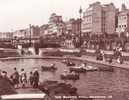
[[31, 80], [15, 78], [23, 78], [35, 78]]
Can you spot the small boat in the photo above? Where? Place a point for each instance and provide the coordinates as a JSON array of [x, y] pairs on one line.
[[49, 68], [83, 68], [68, 63], [70, 76], [77, 69], [91, 68]]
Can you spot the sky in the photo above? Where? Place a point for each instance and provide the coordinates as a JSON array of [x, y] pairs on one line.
[[18, 14]]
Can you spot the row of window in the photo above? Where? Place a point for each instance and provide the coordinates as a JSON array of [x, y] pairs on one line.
[[87, 25], [88, 13], [88, 20], [122, 17], [122, 26]]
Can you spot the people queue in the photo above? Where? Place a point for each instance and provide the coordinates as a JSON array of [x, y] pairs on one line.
[[20, 80]]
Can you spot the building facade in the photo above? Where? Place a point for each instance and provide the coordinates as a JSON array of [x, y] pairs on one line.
[[55, 26], [32, 31], [35, 31], [23, 33], [109, 14], [73, 26], [6, 35], [99, 19], [43, 28], [123, 20], [54, 18]]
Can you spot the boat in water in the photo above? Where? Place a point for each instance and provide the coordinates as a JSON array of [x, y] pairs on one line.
[[69, 76], [51, 67], [68, 63], [83, 68]]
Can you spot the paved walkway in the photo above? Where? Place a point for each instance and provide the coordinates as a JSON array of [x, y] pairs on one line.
[[27, 90], [114, 63]]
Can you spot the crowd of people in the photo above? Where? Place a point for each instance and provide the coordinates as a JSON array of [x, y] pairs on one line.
[[20, 79], [117, 54]]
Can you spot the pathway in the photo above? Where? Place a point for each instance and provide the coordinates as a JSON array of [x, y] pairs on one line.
[[114, 63], [28, 90]]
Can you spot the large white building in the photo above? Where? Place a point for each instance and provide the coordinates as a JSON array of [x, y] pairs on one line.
[[99, 19], [55, 26]]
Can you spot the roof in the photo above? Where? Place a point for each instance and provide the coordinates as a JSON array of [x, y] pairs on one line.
[[125, 12]]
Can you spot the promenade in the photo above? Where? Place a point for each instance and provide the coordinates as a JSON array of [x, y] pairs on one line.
[[106, 52], [113, 64]]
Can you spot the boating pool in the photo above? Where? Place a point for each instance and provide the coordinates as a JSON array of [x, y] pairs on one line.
[[113, 85]]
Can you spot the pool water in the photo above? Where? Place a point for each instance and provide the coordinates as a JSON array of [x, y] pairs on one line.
[[113, 85]]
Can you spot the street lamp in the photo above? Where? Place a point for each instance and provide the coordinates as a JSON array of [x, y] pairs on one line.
[[30, 33], [80, 12]]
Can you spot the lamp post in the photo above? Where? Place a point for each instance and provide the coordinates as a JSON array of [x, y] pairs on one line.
[[30, 33], [80, 12]]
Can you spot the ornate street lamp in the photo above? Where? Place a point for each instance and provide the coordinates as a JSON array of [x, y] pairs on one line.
[[80, 12]]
